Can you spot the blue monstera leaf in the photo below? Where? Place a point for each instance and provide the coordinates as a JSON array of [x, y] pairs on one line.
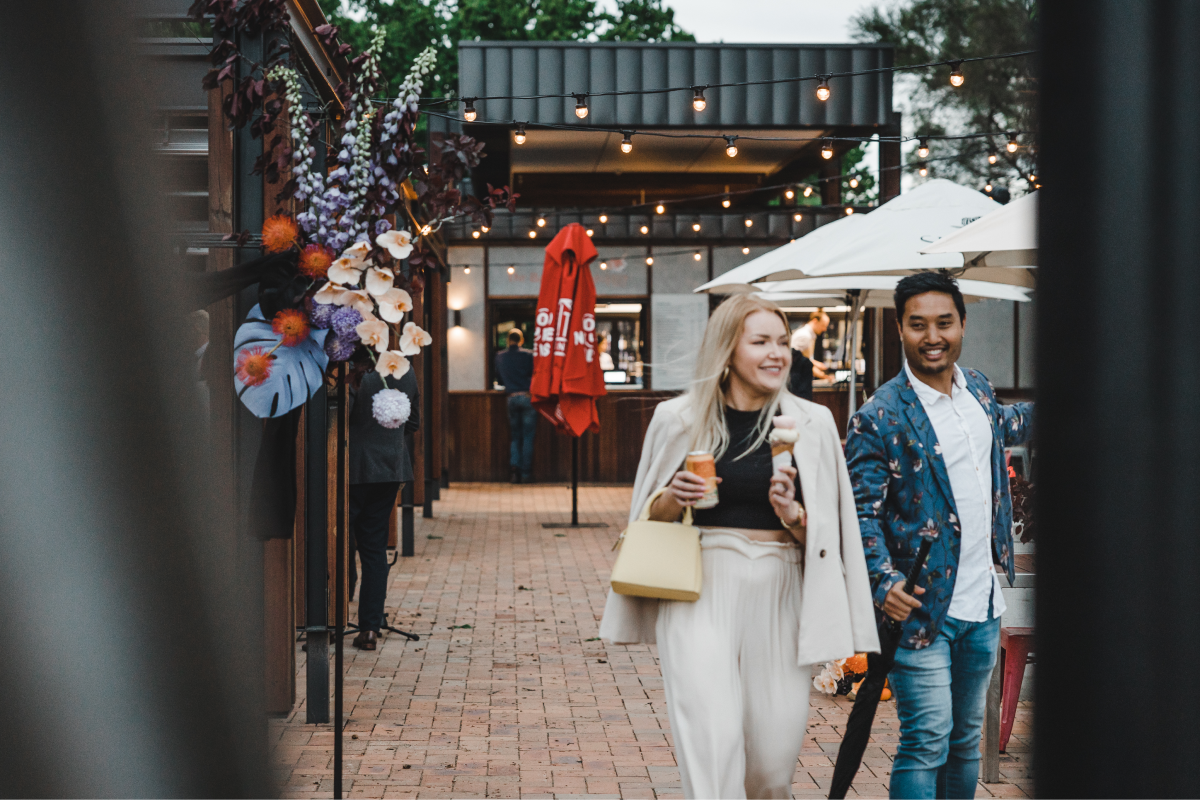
[[296, 372]]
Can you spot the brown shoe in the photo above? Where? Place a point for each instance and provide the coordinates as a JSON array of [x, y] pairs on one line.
[[366, 640]]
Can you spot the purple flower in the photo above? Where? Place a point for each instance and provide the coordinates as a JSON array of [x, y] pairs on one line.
[[344, 321], [321, 315], [339, 349]]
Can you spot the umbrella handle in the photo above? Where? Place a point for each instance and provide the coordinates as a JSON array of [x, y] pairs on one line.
[[915, 572]]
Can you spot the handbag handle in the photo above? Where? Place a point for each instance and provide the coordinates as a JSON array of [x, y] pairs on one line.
[[645, 515]]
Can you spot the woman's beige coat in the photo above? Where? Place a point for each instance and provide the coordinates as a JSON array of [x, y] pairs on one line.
[[836, 619]]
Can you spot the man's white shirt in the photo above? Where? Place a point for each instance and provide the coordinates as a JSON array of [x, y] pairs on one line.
[[805, 339], [964, 436]]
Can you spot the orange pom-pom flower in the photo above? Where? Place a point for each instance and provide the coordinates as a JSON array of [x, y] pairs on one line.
[[856, 664], [315, 260], [253, 366], [279, 234], [292, 325]]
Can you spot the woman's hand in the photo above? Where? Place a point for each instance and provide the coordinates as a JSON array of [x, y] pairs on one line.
[[685, 489], [782, 495]]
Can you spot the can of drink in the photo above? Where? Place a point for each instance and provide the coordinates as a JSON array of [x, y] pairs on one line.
[[702, 463]]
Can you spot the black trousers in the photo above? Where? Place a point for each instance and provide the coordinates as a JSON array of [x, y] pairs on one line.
[[370, 507]]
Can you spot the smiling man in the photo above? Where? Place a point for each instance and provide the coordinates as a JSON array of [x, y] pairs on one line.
[[926, 458]]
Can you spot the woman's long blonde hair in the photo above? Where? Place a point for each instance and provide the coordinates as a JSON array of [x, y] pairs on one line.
[[721, 337]]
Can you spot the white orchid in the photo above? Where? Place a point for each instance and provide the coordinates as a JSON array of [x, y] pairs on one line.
[[379, 280], [373, 334], [398, 243], [391, 364], [359, 300], [834, 668], [393, 303], [825, 682], [413, 339], [345, 271], [329, 294], [357, 251]]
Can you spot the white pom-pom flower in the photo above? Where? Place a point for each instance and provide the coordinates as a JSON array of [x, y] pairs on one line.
[[391, 408]]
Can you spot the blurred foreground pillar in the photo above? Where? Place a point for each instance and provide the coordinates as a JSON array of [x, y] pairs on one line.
[[1118, 618]]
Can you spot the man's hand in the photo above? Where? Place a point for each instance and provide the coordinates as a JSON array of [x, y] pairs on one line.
[[899, 604]]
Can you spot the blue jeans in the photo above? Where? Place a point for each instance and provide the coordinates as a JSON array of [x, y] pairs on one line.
[[522, 423], [941, 694]]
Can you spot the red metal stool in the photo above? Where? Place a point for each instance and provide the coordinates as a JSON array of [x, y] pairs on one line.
[[1015, 645]]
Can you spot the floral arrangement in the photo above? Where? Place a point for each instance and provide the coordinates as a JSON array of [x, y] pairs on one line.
[[842, 677], [344, 266]]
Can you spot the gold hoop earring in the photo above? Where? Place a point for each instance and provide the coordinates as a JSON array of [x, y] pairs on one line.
[[725, 374]]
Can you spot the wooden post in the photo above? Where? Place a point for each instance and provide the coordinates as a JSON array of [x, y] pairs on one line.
[[889, 161]]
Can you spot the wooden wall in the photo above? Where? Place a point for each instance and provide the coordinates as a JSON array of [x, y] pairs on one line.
[[478, 444]]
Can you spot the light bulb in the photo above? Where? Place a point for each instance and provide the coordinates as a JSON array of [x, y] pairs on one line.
[[627, 143], [730, 147], [854, 182], [475, 234], [725, 202], [645, 229], [956, 76], [808, 191], [988, 187], [827, 150], [1012, 144], [426, 230], [660, 208], [603, 265], [590, 233], [849, 210], [823, 90], [581, 109], [696, 227], [923, 171], [698, 102], [749, 222], [745, 251], [519, 136], [1032, 178], [649, 261], [484, 228], [789, 194], [541, 223], [603, 219], [512, 270], [797, 217], [533, 234], [466, 270], [469, 112], [923, 148], [992, 157], [697, 256]]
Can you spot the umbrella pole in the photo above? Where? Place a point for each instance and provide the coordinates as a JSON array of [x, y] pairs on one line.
[[852, 406], [574, 481], [339, 586]]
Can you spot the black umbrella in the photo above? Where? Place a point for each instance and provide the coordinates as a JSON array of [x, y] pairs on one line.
[[858, 726]]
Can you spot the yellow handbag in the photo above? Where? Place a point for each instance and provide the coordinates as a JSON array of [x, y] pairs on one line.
[[659, 559]]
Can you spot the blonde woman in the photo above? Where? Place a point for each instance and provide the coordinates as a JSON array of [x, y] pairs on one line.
[[785, 582]]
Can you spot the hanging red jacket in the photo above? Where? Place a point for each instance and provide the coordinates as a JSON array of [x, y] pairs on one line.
[[566, 365]]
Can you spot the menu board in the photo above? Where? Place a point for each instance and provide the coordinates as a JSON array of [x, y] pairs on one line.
[[677, 324]]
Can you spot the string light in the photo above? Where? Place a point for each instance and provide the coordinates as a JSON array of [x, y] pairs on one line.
[[512, 270], [475, 234], [956, 76], [854, 182], [745, 251], [808, 191], [923, 171], [697, 256], [627, 142], [660, 208], [1032, 178], [484, 228], [988, 187], [730, 147], [923, 148], [790, 193], [797, 217], [466, 270], [519, 136], [469, 111], [992, 157], [849, 210], [823, 89], [645, 229], [698, 101], [581, 107], [1012, 143], [533, 234], [696, 226], [604, 219], [827, 150], [603, 265], [749, 222], [649, 261], [426, 230], [725, 202], [541, 222], [590, 233]]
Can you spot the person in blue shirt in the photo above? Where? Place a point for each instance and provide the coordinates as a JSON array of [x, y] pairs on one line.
[[514, 368]]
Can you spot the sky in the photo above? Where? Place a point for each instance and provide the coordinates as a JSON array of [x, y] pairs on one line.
[[783, 21]]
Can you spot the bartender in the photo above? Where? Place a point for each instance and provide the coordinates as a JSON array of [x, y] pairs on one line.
[[804, 342]]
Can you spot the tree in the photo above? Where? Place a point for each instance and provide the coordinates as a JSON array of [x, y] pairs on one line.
[[413, 25], [997, 95]]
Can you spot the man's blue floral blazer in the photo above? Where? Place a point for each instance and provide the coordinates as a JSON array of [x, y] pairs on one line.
[[903, 494]]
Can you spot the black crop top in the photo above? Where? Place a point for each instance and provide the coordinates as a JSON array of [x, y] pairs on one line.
[[745, 481]]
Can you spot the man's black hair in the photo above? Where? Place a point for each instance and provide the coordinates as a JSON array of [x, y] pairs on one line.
[[922, 282], [515, 336]]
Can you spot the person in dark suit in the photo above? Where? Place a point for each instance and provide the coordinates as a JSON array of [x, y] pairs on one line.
[[379, 462], [514, 367]]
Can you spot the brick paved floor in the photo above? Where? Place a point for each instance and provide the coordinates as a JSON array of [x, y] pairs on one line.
[[510, 694]]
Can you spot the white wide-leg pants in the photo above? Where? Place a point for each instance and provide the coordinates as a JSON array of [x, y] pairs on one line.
[[736, 698]]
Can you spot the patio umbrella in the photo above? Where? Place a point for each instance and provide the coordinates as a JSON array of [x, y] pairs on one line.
[[566, 367], [862, 715], [1003, 238]]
